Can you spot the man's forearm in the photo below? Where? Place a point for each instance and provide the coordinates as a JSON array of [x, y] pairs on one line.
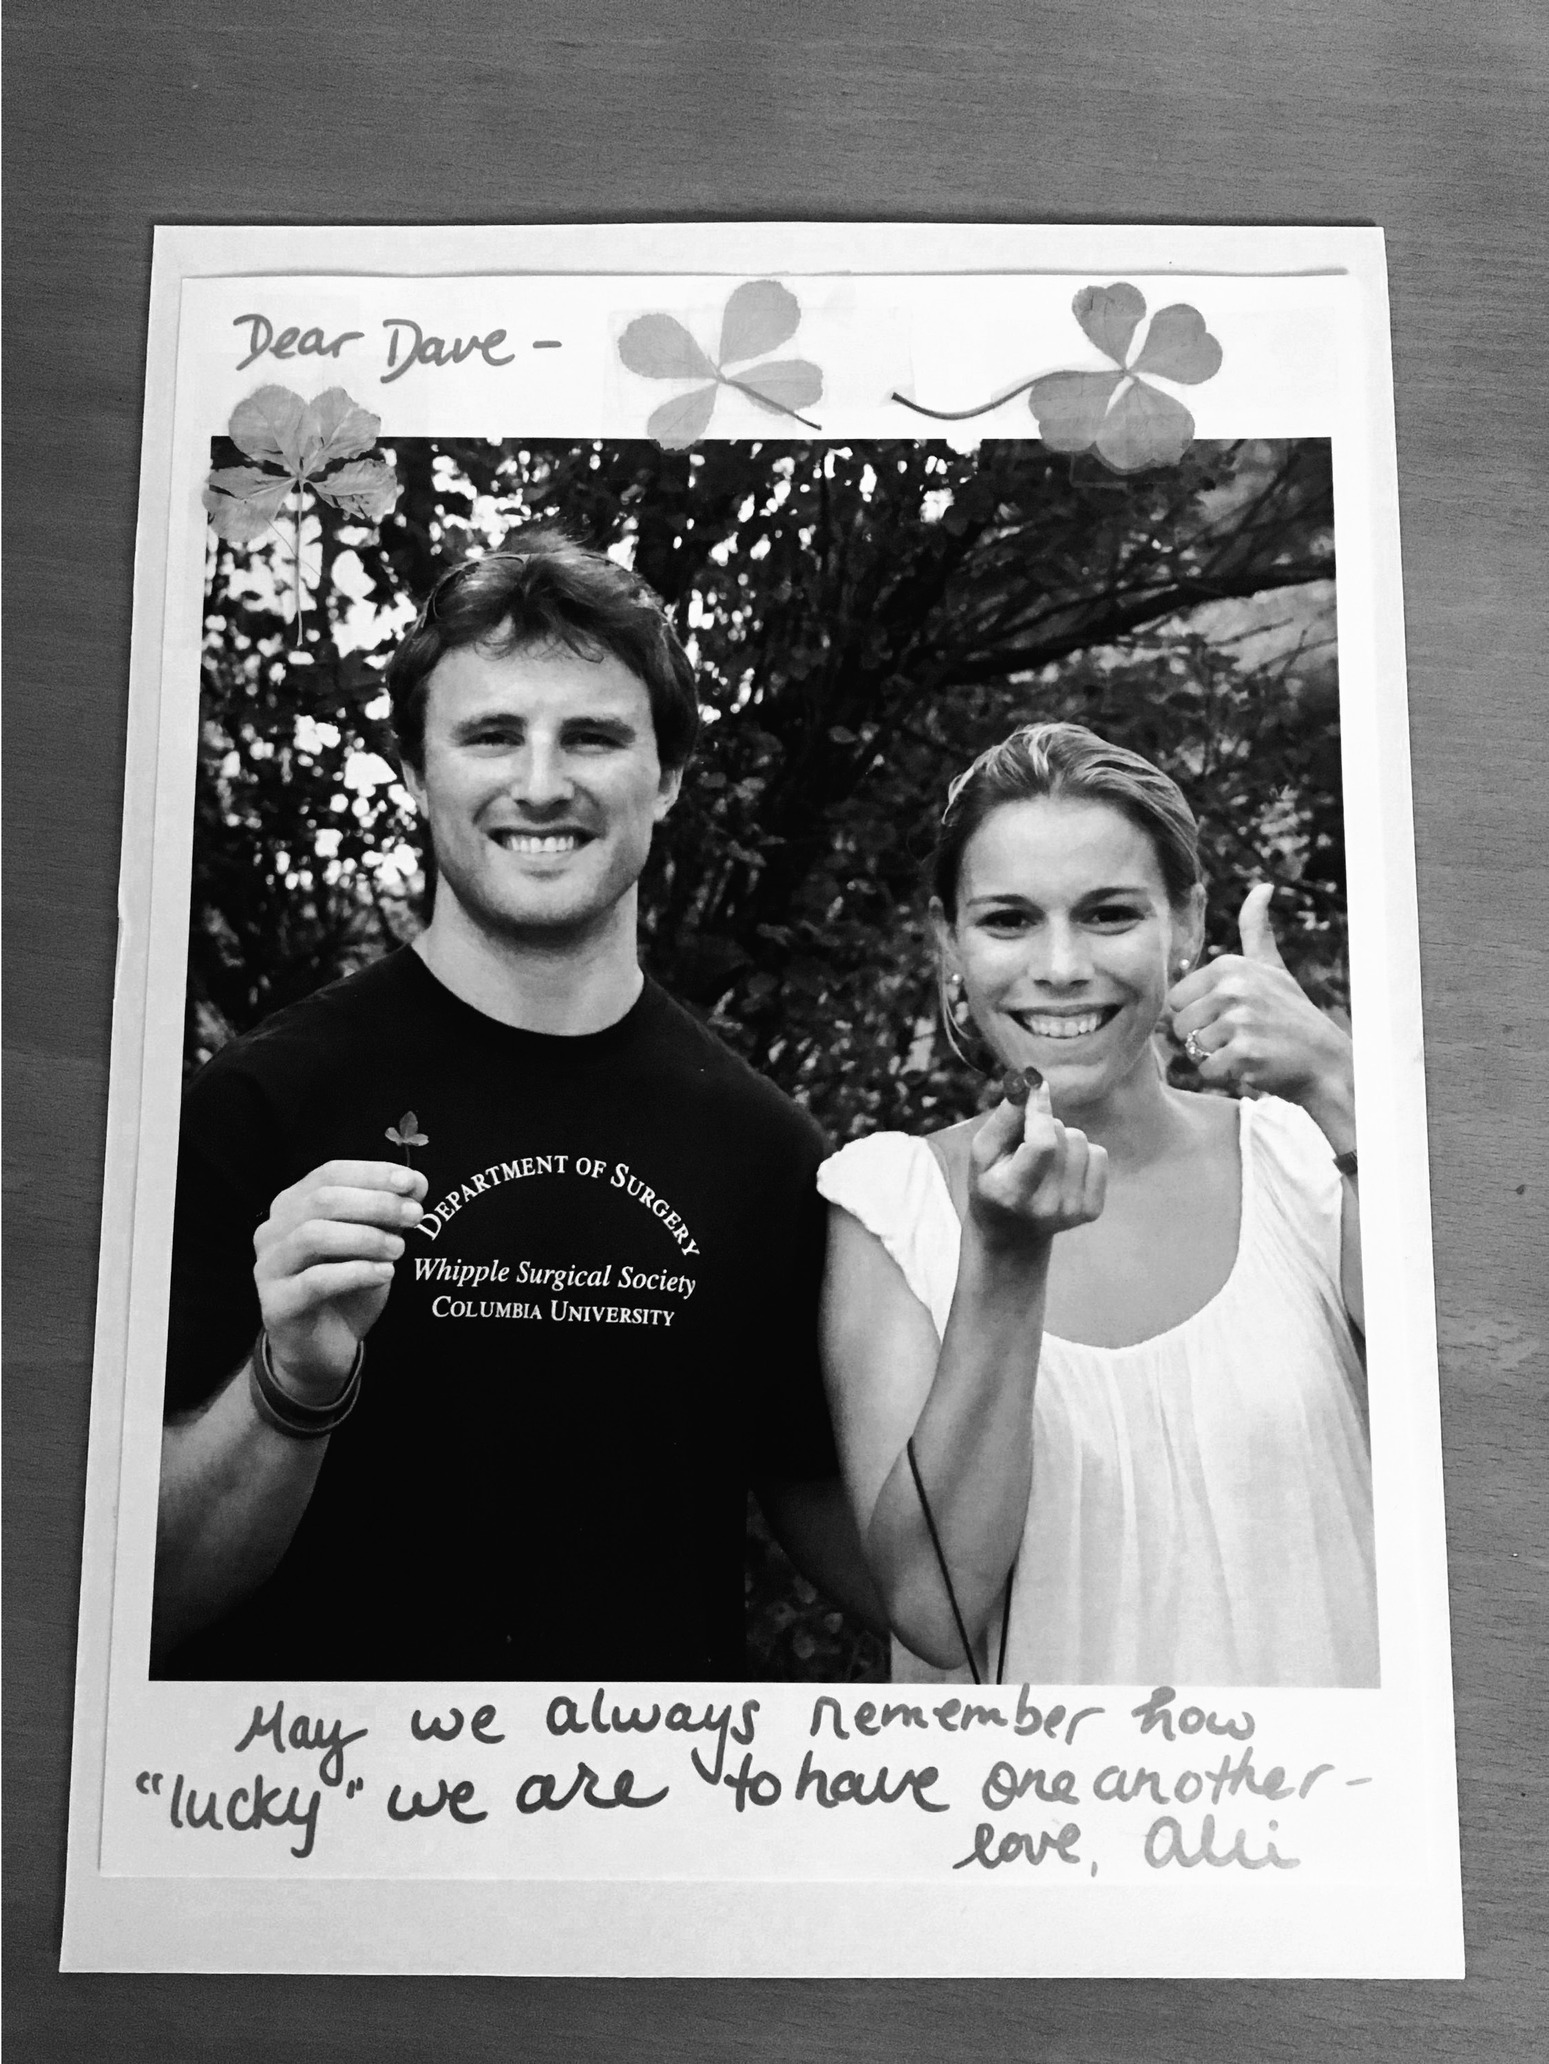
[[814, 1524], [233, 1490]]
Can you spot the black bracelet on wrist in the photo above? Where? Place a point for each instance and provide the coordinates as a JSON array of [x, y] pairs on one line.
[[287, 1414], [1346, 1164]]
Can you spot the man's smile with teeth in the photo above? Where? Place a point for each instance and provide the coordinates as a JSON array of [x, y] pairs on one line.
[[1065, 1024], [539, 841]]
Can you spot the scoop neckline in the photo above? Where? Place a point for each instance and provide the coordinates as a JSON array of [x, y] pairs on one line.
[[1245, 1203]]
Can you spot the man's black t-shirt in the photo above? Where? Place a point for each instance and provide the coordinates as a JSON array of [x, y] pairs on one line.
[[604, 1328]]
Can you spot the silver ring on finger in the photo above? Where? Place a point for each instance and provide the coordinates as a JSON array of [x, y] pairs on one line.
[[1193, 1049]]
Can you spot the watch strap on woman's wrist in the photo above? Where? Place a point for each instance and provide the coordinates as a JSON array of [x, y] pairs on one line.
[[289, 1415]]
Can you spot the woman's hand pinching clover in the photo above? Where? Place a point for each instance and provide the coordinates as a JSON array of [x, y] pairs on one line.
[[1031, 1177], [1248, 1024]]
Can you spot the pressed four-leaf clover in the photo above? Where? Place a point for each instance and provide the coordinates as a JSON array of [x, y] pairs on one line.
[[1116, 411], [760, 316], [316, 446]]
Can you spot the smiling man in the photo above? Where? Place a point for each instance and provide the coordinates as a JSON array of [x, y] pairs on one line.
[[492, 1409]]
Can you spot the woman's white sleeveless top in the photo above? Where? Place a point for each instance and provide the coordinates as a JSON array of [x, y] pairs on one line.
[[1201, 1501]]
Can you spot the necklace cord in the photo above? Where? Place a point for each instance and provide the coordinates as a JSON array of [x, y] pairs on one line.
[[946, 1578]]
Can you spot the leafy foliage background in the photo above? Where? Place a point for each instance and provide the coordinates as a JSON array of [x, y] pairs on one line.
[[865, 619]]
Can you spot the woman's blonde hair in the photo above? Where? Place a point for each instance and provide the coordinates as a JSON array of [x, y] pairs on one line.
[[1068, 760]]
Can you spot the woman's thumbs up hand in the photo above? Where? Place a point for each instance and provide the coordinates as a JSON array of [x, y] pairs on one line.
[[1246, 1022]]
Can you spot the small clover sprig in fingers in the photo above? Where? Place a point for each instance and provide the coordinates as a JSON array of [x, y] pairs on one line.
[[406, 1134], [1018, 1084]]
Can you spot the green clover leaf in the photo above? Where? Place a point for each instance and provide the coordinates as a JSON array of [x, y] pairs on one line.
[[1070, 407], [366, 488], [760, 316], [1119, 415], [301, 448], [1145, 427], [783, 385], [1110, 316], [659, 347], [278, 428], [683, 419], [243, 501], [1179, 347]]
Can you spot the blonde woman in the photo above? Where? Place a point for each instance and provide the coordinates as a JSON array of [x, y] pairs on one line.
[[1093, 1357]]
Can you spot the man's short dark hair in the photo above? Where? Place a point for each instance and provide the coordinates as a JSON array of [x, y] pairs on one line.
[[542, 588]]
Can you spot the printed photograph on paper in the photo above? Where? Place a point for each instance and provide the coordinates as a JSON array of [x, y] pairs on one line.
[[601, 1327], [769, 975]]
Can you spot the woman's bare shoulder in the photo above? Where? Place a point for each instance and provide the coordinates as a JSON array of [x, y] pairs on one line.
[[1216, 1116], [1213, 1123], [950, 1145]]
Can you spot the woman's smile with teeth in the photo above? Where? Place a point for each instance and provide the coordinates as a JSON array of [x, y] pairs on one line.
[[1065, 1024]]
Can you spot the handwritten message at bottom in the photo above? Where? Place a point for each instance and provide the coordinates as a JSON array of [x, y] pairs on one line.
[[905, 1781]]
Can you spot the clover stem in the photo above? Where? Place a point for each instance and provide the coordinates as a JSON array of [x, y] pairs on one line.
[[763, 399], [296, 641], [961, 415]]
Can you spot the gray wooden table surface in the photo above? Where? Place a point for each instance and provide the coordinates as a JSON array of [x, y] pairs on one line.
[[1427, 118]]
